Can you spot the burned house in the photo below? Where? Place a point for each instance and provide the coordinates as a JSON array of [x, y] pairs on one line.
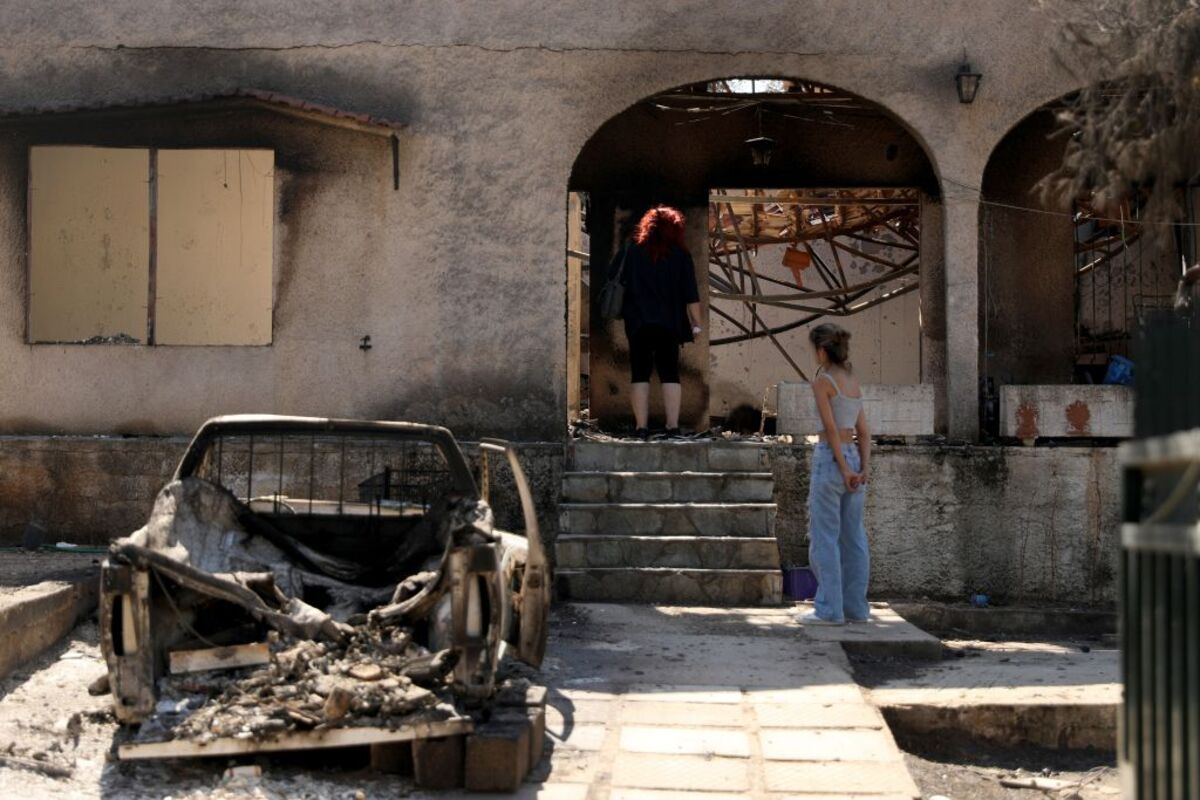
[[400, 214]]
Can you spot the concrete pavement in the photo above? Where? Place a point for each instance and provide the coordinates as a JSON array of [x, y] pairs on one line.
[[657, 702]]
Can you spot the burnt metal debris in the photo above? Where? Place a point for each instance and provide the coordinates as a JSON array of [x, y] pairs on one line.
[[308, 582]]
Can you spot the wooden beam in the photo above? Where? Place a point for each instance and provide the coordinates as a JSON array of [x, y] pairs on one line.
[[813, 200], [804, 296], [231, 657], [861, 254], [299, 740]]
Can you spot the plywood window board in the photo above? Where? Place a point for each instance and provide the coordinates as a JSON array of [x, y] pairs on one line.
[[89, 251], [167, 247]]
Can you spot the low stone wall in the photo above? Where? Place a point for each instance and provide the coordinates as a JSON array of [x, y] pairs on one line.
[[93, 489], [82, 489], [1044, 411], [1017, 523], [894, 410]]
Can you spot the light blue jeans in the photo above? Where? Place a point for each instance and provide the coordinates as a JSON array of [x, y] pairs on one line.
[[837, 538]]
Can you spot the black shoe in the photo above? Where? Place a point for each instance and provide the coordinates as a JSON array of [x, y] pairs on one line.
[[642, 433], [674, 433]]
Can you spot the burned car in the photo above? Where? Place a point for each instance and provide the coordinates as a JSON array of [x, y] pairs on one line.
[[302, 574]]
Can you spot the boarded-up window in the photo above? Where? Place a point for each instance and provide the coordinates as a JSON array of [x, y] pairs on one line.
[[154, 246], [89, 251]]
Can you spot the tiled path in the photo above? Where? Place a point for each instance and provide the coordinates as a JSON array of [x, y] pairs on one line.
[[652, 702]]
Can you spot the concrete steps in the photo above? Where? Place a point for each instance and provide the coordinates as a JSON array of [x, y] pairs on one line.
[[673, 456], [705, 587], [669, 519], [668, 522], [683, 552], [660, 487]]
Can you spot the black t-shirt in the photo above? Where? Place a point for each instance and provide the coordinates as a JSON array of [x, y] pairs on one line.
[[658, 293]]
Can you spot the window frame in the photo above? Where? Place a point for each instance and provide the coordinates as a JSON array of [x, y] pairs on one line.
[[150, 338]]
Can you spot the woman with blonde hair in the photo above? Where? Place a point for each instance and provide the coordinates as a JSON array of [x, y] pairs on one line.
[[837, 551]]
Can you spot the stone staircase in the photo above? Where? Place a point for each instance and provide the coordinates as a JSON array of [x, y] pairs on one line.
[[668, 522]]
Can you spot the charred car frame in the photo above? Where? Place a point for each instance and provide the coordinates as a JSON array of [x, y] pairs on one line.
[[310, 529]]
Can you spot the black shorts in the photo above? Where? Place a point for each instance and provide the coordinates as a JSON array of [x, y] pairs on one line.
[[654, 348]]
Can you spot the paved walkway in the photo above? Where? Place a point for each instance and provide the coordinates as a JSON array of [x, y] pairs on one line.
[[654, 702]]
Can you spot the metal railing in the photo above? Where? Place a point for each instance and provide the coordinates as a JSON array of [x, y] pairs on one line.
[[1159, 739]]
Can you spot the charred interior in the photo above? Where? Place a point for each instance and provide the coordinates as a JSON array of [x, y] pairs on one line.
[[803, 202]]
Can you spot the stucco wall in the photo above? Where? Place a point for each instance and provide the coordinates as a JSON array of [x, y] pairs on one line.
[[459, 276], [1017, 523], [1036, 524]]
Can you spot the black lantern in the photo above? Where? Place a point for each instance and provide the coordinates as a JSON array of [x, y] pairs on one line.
[[761, 147], [966, 81]]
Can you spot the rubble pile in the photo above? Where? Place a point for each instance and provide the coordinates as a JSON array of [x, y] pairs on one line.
[[376, 677]]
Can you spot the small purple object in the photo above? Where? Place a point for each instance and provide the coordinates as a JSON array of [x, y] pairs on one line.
[[799, 583]]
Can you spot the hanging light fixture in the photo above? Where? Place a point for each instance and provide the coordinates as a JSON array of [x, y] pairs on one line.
[[966, 81], [761, 147]]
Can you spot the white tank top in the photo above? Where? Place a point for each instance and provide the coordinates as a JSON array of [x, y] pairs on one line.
[[845, 409]]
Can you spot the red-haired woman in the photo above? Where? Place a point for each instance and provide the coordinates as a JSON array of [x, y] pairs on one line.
[[661, 311]]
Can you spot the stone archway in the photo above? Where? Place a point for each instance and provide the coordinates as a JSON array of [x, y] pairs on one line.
[[675, 147]]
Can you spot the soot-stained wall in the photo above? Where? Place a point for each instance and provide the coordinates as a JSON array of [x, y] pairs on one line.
[[458, 277], [340, 273]]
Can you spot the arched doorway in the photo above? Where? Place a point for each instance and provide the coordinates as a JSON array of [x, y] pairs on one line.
[[803, 202], [1063, 286]]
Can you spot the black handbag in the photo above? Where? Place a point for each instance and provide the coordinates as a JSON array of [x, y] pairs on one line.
[[612, 296]]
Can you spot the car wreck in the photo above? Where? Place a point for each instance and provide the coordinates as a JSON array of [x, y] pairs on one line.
[[309, 582]]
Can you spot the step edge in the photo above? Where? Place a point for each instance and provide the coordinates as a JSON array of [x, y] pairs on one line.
[[741, 505], [714, 570], [648, 537], [662, 473]]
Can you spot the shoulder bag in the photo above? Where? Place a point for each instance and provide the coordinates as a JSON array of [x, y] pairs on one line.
[[612, 296]]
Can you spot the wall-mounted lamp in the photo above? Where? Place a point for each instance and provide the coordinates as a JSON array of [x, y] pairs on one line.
[[966, 81], [761, 147]]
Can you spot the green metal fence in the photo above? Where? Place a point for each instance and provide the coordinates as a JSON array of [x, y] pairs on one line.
[[1159, 740]]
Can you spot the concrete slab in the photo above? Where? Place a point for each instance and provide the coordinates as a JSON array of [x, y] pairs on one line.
[[560, 710], [818, 694], [1011, 693], [33, 617], [685, 741], [670, 693], [840, 778], [579, 737], [645, 794], [887, 635], [697, 773], [651, 712], [818, 715], [748, 694], [706, 661], [1007, 621], [1016, 673], [827, 745]]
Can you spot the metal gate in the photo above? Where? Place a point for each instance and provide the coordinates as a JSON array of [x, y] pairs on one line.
[[1159, 741]]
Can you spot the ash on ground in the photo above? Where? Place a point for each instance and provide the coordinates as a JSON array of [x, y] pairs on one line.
[[377, 678]]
